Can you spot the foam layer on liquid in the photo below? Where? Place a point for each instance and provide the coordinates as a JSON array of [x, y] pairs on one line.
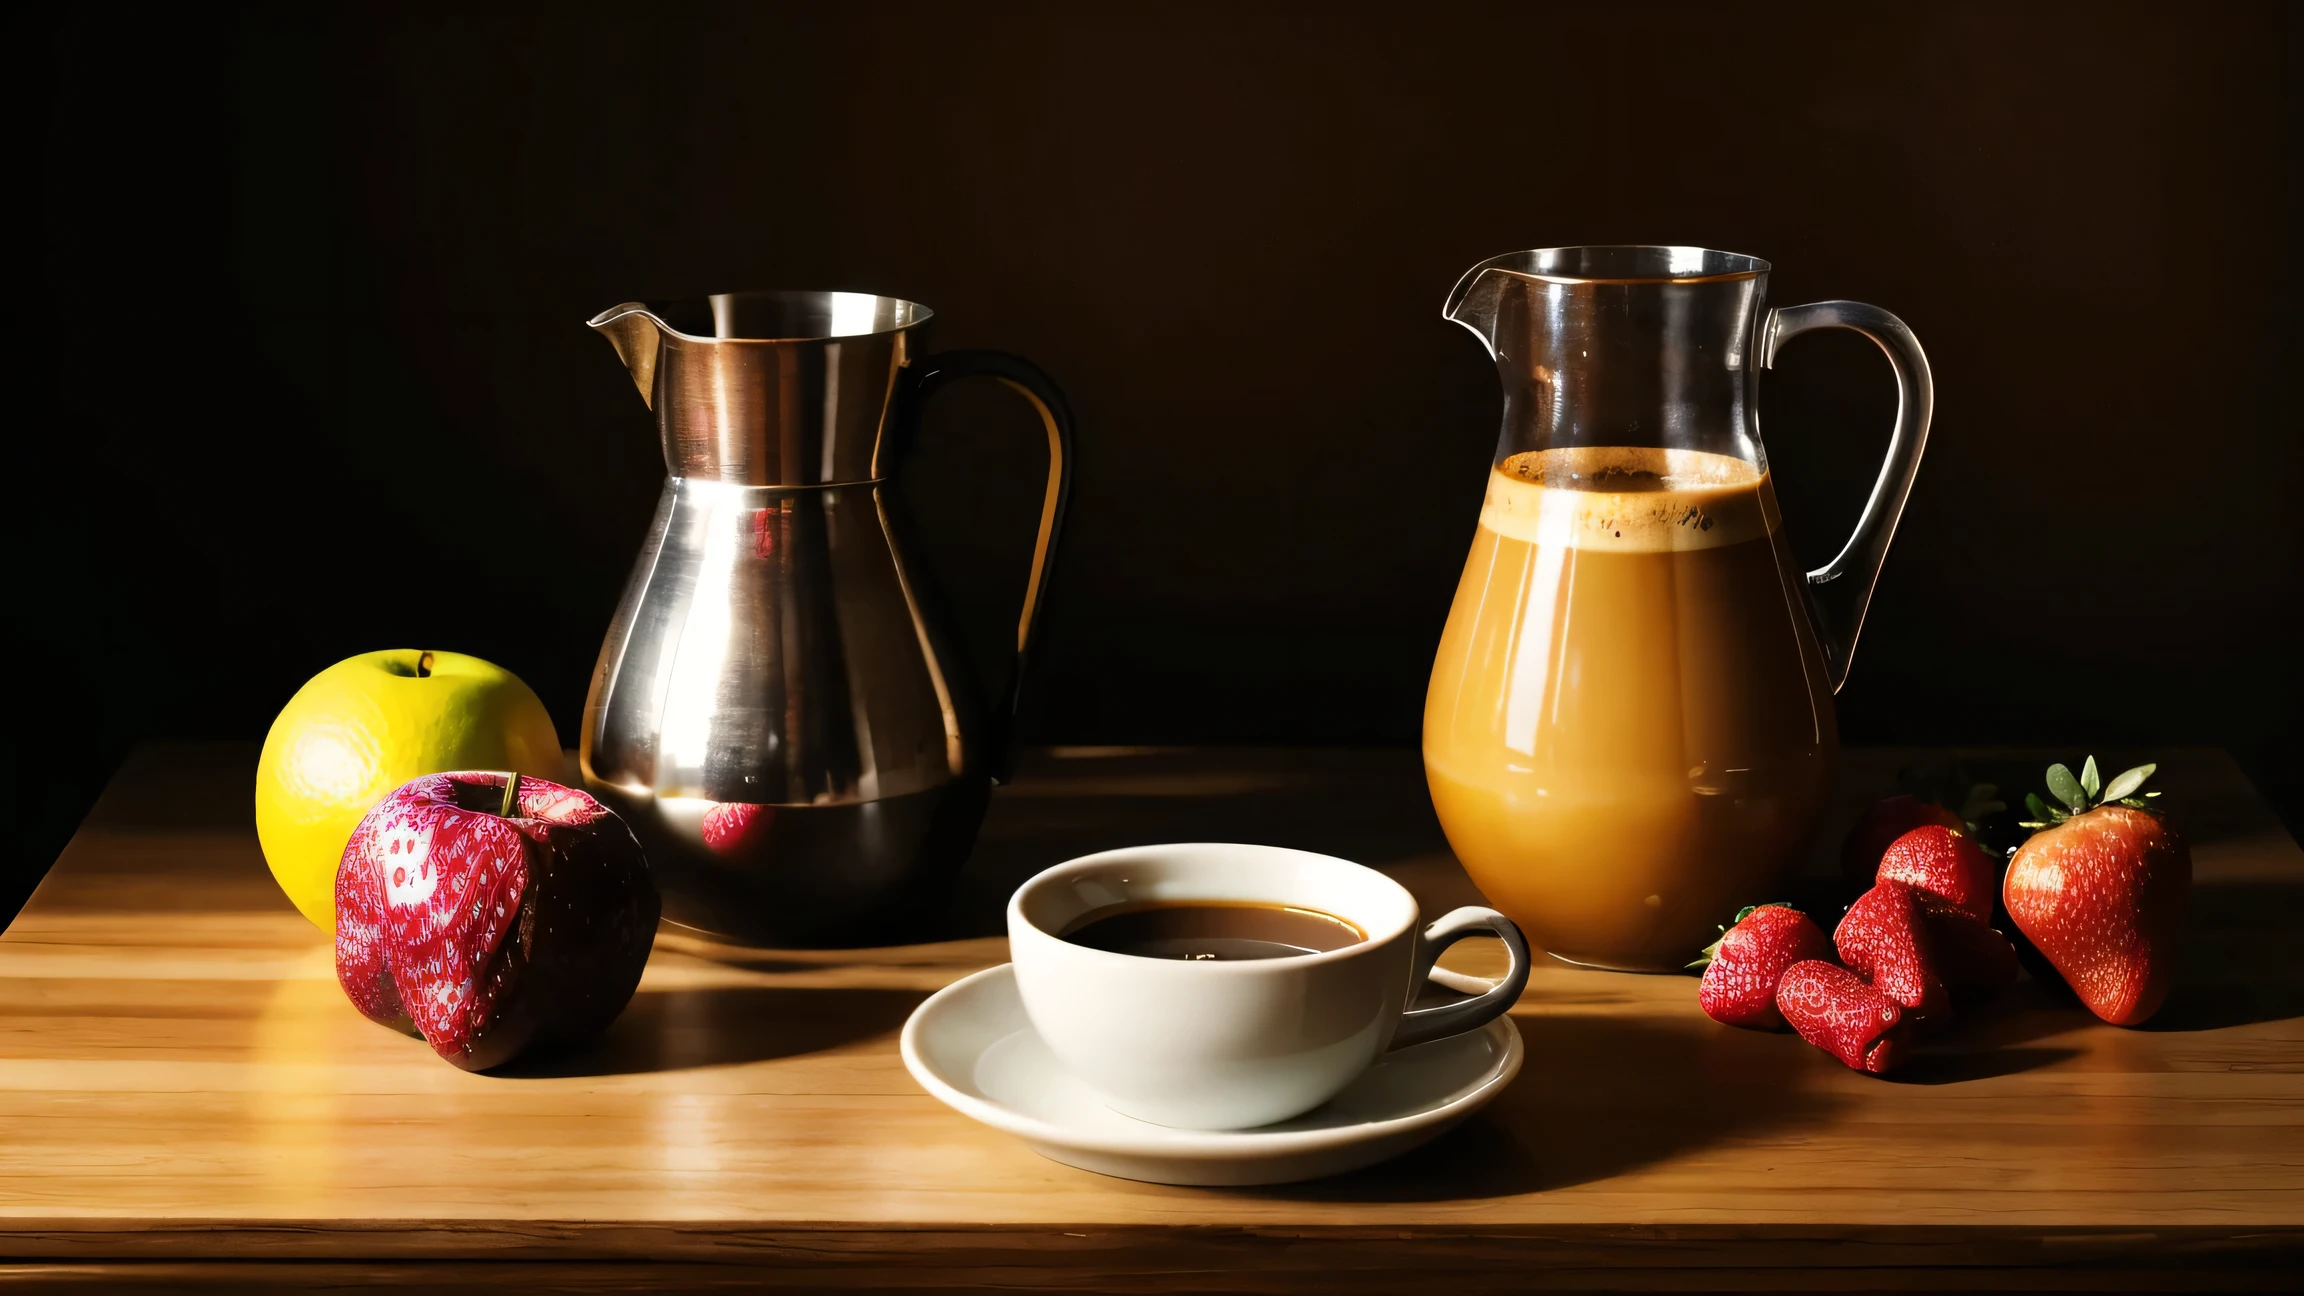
[[1628, 499]]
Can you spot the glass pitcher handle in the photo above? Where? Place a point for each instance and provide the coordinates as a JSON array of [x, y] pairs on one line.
[[1025, 379], [1841, 589]]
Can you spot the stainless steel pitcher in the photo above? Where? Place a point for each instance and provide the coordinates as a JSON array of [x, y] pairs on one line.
[[774, 712]]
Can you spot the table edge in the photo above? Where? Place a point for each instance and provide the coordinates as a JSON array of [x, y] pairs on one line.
[[2019, 1245]]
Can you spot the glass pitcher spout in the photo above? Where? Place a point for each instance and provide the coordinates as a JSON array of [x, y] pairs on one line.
[[1621, 345]]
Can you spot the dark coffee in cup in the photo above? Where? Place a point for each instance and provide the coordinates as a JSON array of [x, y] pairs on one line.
[[1211, 930]]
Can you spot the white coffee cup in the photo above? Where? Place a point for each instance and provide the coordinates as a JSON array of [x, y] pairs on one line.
[[1234, 1044]]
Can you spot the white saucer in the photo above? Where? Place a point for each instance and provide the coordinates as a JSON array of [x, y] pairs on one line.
[[971, 1046]]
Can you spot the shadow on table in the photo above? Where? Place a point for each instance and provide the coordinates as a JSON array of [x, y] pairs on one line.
[[1971, 1064], [1601, 1096], [673, 1030], [1664, 1090], [1996, 1038], [2242, 961], [2239, 963]]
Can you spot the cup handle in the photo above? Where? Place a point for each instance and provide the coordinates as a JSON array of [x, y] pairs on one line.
[[1421, 1025]]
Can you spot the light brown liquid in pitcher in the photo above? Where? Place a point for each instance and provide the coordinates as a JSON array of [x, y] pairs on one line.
[[1629, 732]]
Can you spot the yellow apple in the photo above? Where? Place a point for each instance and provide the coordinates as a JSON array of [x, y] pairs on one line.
[[361, 728]]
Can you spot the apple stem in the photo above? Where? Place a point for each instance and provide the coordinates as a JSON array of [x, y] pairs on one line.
[[423, 665], [511, 794]]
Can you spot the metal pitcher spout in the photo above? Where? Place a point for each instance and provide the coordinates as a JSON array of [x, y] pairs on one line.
[[637, 336], [768, 388]]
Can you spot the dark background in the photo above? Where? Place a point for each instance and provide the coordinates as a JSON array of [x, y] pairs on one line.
[[310, 378]]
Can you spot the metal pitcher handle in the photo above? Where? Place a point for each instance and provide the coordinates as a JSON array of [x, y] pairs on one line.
[[1025, 379], [1841, 589]]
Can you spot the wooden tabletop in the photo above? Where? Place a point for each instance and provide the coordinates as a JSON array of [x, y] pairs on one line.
[[187, 1099]]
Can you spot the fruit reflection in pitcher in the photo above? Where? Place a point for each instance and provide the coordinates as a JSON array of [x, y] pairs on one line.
[[1629, 731]]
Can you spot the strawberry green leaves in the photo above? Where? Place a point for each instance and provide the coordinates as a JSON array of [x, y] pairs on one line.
[[2085, 792], [2068, 789], [2124, 786]]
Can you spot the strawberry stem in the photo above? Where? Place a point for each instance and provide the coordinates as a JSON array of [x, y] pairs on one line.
[[511, 794]]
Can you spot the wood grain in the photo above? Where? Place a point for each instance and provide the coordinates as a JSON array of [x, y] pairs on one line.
[[184, 1092]]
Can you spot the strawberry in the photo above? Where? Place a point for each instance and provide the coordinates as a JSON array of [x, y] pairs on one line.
[[1888, 819], [2100, 890], [1949, 870], [1884, 937], [1835, 1010], [731, 826], [514, 912], [1741, 969], [1975, 961]]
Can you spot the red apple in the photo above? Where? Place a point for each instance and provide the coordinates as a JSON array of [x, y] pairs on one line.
[[504, 918], [363, 965]]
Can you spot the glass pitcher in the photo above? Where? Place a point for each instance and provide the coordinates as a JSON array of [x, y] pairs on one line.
[[1629, 731]]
